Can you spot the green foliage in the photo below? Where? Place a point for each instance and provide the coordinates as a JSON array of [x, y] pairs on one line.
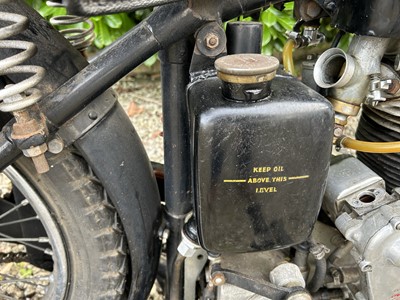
[[25, 271], [107, 28], [276, 23]]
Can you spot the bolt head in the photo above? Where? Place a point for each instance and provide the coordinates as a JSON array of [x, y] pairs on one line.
[[212, 41], [92, 115], [56, 145], [338, 132]]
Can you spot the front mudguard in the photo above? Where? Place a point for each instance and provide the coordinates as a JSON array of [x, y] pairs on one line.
[[112, 149], [115, 153]]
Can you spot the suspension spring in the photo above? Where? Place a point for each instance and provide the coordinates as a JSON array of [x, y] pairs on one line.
[[29, 131], [80, 37]]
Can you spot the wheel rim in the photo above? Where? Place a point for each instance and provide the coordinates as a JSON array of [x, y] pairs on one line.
[[59, 277]]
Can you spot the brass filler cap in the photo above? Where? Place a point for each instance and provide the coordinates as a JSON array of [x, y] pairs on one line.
[[246, 68]]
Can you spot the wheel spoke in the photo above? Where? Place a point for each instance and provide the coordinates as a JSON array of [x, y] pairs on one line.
[[25, 241], [19, 221], [16, 207]]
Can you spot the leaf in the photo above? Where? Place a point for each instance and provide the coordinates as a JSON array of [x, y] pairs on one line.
[[113, 21], [96, 19], [151, 61], [134, 109], [127, 22], [268, 49], [275, 12], [267, 37], [268, 18], [289, 6], [48, 12], [103, 36], [24, 273], [273, 32], [287, 22]]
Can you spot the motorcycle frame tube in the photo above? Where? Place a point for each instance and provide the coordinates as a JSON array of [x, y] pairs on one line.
[[164, 27], [175, 64]]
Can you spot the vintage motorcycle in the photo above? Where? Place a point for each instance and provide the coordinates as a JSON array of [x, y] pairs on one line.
[[250, 203]]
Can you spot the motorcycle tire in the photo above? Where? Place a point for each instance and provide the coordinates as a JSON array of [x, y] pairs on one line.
[[88, 228]]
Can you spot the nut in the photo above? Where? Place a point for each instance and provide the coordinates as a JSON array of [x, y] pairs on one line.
[[212, 41], [35, 151], [187, 248], [218, 279]]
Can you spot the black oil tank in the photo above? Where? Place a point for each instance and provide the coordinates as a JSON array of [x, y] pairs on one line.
[[260, 156]]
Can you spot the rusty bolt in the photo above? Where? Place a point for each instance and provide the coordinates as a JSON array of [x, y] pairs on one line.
[[218, 279], [38, 158], [313, 9], [41, 164], [212, 41]]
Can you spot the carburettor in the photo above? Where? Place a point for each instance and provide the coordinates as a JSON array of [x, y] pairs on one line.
[[366, 215]]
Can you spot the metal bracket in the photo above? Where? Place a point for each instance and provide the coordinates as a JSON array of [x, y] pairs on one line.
[[258, 286], [87, 118], [210, 44], [193, 267]]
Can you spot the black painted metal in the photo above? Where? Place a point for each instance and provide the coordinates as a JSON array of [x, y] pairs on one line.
[[365, 17], [130, 183], [98, 7], [175, 76], [244, 37], [120, 58], [258, 172]]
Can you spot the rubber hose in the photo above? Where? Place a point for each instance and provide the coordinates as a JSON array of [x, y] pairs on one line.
[[287, 57], [370, 147], [319, 276]]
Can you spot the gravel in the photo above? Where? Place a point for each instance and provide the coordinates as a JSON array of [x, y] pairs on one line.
[[140, 96]]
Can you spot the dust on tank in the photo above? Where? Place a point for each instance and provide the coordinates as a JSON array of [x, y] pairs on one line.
[[260, 156]]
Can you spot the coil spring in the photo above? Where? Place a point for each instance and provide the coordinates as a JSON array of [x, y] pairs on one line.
[[80, 38], [20, 95]]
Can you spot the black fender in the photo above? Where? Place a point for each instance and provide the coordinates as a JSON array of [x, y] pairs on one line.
[[112, 149], [115, 153]]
